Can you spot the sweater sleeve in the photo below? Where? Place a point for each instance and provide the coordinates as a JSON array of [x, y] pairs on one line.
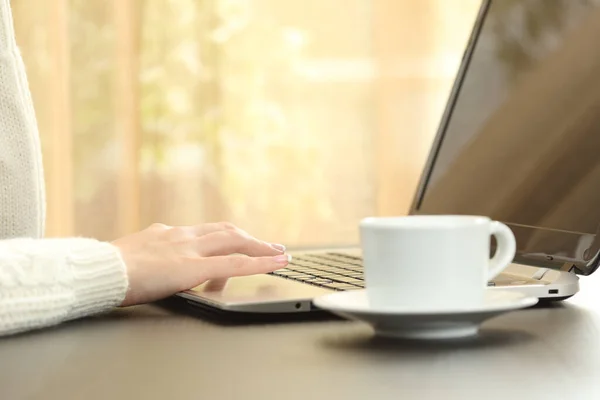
[[22, 197], [47, 281], [42, 281]]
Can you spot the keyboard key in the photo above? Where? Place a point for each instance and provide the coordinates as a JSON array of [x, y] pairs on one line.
[[359, 275], [330, 270], [283, 272], [350, 280], [297, 275], [321, 281], [342, 285], [349, 287]]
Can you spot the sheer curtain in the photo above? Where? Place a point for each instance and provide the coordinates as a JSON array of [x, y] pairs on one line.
[[292, 119]]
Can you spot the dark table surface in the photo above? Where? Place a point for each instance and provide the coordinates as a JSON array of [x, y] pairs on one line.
[[151, 352]]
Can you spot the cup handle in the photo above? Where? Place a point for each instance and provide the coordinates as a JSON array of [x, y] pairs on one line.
[[505, 251]]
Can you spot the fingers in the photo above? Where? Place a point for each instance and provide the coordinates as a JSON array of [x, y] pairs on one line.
[[215, 285], [252, 246], [205, 229], [237, 265], [189, 232], [232, 241], [202, 229]]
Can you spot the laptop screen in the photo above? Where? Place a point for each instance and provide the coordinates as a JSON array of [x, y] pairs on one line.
[[520, 140]]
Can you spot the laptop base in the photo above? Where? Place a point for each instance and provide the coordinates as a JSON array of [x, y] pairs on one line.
[[291, 290]]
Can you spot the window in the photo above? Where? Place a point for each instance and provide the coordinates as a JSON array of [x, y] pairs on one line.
[[292, 119]]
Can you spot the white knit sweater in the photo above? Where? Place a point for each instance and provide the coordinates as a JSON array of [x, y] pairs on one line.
[[42, 281]]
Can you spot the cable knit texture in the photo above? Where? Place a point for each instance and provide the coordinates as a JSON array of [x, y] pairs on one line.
[[42, 281]]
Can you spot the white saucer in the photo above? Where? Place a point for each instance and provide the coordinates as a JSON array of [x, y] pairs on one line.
[[409, 323]]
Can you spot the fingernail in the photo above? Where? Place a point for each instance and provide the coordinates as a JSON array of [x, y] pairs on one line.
[[283, 259], [278, 247]]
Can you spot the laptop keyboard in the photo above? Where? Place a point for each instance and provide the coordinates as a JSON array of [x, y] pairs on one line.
[[327, 270], [341, 272]]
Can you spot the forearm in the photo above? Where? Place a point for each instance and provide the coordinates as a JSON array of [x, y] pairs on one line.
[[47, 281]]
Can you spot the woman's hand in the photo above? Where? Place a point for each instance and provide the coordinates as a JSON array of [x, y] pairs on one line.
[[163, 260]]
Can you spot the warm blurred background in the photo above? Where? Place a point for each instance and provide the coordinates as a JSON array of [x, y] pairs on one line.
[[291, 118]]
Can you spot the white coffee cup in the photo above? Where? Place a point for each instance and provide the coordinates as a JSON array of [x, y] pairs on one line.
[[432, 262]]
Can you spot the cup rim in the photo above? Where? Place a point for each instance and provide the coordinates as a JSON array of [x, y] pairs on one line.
[[424, 221]]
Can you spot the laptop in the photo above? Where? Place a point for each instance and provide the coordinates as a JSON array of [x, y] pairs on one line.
[[519, 141]]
